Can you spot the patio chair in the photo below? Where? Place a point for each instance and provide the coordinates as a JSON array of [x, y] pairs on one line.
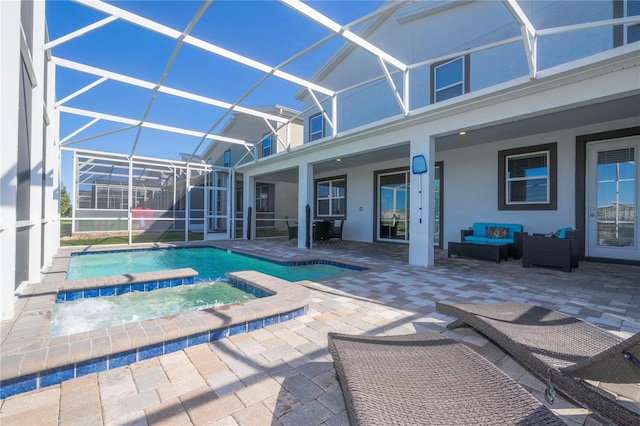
[[561, 350], [335, 232], [559, 252], [293, 231], [425, 378], [321, 230]]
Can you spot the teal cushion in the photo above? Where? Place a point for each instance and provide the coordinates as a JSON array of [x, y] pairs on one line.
[[562, 233], [499, 241], [480, 228], [475, 239]]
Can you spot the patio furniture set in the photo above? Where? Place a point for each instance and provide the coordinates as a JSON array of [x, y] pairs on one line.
[[499, 241], [425, 378], [323, 231]]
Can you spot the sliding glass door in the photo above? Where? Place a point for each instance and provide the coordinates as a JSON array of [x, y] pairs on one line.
[[393, 206]]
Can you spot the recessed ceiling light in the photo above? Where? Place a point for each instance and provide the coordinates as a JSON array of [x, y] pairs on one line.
[[338, 159], [462, 133]]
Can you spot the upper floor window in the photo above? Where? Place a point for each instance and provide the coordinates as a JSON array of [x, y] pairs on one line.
[[316, 127], [331, 197], [633, 30], [227, 158], [528, 178], [449, 79], [266, 145]]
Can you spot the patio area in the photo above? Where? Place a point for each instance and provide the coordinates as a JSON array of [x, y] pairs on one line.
[[283, 374]]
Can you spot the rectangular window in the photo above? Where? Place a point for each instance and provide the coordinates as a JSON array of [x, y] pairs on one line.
[[633, 30], [316, 127], [449, 79], [262, 197], [528, 178], [331, 197], [266, 145], [227, 158]]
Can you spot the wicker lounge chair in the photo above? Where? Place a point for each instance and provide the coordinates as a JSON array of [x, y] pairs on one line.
[[424, 378], [561, 350]]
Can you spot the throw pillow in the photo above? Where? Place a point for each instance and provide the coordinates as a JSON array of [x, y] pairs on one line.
[[496, 232]]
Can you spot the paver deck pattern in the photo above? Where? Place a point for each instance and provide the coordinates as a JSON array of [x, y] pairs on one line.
[[283, 374]]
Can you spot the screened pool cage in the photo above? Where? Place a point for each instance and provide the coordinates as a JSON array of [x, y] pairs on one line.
[[151, 199]]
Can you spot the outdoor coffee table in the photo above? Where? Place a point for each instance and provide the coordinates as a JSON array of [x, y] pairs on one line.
[[480, 251]]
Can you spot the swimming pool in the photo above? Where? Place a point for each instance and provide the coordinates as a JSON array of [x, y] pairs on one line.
[[211, 264]]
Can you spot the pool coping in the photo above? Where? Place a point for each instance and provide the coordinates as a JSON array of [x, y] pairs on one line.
[[30, 359]]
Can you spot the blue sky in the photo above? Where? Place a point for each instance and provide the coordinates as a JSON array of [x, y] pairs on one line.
[[266, 31]]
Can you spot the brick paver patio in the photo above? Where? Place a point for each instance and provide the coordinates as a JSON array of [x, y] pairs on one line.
[[283, 374]]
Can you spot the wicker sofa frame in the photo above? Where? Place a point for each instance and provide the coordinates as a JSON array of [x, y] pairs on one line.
[[425, 378], [555, 252], [561, 350]]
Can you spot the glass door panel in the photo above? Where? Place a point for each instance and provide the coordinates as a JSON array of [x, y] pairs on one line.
[[612, 203], [393, 206]]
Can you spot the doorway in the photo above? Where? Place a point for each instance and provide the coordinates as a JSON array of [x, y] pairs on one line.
[[612, 197], [393, 205]]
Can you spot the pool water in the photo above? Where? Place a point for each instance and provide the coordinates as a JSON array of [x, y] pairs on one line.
[[210, 263], [107, 311]]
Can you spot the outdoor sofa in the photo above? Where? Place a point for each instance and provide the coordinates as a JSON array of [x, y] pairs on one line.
[[561, 350], [487, 240], [424, 378]]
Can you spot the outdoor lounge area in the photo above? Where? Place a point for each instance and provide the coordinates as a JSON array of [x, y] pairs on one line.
[[320, 168], [284, 373]]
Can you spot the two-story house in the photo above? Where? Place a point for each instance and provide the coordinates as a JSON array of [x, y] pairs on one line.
[[526, 112]]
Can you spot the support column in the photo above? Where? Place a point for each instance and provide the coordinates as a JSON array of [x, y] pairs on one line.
[[9, 86], [305, 196], [421, 251], [36, 136]]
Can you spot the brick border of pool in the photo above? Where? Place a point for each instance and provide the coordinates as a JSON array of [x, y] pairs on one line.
[[31, 359]]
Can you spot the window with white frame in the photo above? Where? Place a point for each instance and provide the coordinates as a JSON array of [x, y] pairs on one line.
[[227, 158], [266, 145], [331, 197], [316, 127], [262, 197], [528, 178], [449, 79]]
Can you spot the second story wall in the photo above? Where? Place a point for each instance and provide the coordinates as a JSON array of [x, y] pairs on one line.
[[423, 32]]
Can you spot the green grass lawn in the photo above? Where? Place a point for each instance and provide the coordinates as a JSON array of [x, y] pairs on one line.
[[145, 237]]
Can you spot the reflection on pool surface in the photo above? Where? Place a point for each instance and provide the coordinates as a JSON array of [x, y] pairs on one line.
[[211, 263], [97, 312]]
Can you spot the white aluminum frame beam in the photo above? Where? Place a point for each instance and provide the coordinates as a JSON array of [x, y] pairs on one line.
[[81, 91], [167, 68], [79, 32], [333, 26], [400, 100], [324, 113], [130, 121], [100, 135], [201, 44], [275, 132], [65, 63], [529, 35]]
